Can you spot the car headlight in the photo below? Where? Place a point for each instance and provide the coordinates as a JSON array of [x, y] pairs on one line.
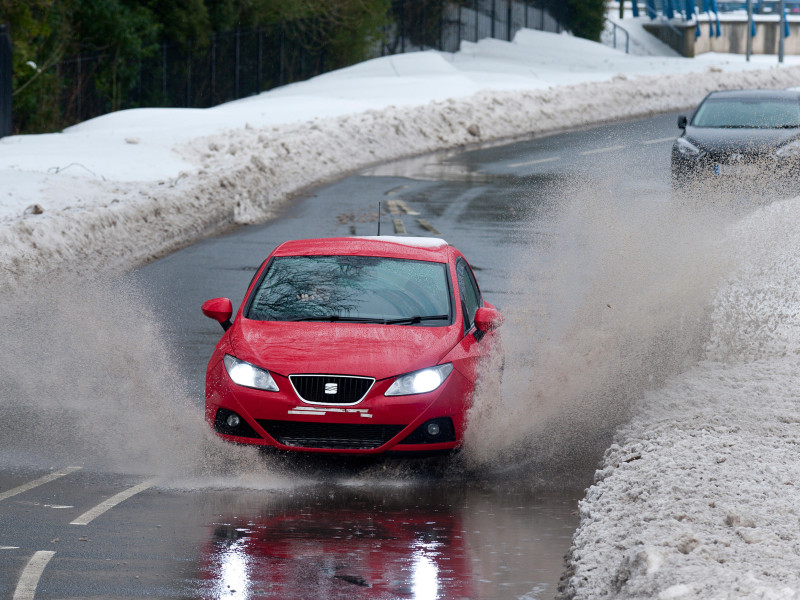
[[247, 375], [789, 150], [688, 149], [420, 382]]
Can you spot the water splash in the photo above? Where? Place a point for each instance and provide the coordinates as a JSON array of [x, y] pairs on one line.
[[87, 379], [616, 299]]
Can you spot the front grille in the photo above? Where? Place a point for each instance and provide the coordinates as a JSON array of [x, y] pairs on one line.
[[331, 389], [331, 436]]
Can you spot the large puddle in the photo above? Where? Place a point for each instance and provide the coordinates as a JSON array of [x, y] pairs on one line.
[[605, 292]]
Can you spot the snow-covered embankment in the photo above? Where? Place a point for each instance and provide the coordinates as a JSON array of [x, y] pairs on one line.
[[243, 175], [700, 495]]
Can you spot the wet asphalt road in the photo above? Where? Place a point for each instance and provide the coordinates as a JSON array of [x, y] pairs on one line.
[[392, 531]]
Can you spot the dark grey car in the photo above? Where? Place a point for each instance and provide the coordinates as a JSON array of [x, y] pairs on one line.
[[739, 141]]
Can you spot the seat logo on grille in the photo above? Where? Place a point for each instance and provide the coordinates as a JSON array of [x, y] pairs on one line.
[[331, 388]]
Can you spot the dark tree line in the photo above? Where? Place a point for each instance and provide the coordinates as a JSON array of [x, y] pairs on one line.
[[585, 17], [48, 34]]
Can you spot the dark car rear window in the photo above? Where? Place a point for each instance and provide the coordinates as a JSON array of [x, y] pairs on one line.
[[352, 287], [759, 113]]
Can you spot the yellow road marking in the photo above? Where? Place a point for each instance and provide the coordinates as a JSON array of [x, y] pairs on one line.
[[424, 223], [405, 208]]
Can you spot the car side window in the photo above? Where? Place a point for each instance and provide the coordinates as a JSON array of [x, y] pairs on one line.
[[470, 294]]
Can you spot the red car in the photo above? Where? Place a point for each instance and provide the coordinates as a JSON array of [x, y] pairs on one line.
[[351, 346]]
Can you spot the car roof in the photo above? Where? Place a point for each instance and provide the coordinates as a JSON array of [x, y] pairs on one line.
[[754, 94], [412, 248]]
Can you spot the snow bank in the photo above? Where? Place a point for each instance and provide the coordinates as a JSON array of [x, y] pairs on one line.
[[243, 175], [416, 242], [700, 495]]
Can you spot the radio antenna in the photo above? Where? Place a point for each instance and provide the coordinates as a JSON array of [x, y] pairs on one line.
[[379, 218]]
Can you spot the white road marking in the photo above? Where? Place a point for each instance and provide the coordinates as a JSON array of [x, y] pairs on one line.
[[599, 150], [98, 510], [29, 580], [9, 547], [37, 482], [535, 162], [660, 140]]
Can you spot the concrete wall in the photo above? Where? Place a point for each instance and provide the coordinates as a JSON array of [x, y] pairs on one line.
[[681, 37]]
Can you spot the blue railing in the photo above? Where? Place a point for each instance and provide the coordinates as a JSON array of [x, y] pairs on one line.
[[667, 11], [688, 10], [614, 28]]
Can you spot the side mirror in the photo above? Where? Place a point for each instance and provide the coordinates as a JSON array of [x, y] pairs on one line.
[[219, 309], [683, 121], [488, 318]]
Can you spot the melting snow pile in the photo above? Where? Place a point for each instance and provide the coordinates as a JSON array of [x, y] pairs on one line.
[[116, 191], [700, 496]]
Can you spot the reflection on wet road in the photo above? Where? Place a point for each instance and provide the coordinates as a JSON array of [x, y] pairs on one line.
[[384, 541], [373, 532]]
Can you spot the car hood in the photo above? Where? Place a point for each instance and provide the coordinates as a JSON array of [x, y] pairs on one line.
[[368, 350], [747, 141]]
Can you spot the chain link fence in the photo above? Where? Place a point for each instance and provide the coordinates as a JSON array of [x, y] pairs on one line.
[[245, 62]]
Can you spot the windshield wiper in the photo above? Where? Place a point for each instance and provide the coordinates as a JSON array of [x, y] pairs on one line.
[[346, 319], [416, 319], [333, 318]]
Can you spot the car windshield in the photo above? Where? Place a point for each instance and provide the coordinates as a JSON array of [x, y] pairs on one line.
[[353, 288], [772, 113]]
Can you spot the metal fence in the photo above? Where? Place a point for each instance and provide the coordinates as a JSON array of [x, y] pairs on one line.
[[244, 62], [230, 66], [468, 20], [6, 71]]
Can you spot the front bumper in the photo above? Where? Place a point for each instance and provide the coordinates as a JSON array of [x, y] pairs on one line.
[[722, 175], [374, 425]]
